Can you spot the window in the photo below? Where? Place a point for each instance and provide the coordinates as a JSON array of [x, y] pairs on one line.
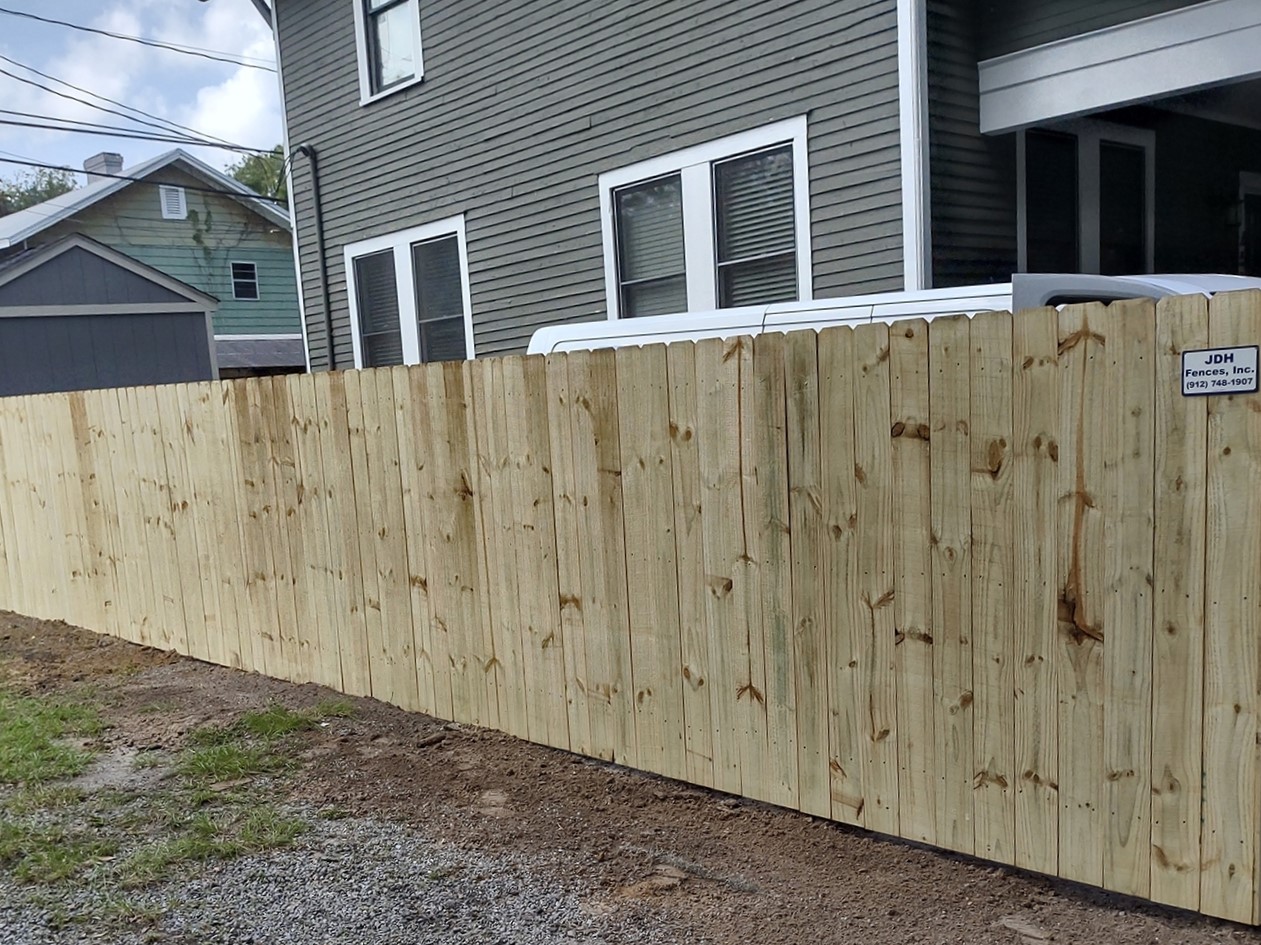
[[409, 296], [1086, 195], [719, 225], [388, 39], [174, 206], [245, 281]]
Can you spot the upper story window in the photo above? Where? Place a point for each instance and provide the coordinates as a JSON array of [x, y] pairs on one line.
[[409, 296], [245, 281], [719, 225], [174, 205], [388, 40]]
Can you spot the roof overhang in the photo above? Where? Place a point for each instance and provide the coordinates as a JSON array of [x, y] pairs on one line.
[[1208, 44]]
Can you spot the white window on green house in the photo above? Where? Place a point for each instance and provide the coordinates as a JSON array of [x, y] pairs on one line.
[[388, 42], [173, 203], [719, 225], [245, 281], [409, 296]]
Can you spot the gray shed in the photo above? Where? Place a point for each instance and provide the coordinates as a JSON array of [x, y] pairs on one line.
[[76, 314]]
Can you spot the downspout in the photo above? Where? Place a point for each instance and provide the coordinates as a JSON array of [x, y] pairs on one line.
[[321, 259]]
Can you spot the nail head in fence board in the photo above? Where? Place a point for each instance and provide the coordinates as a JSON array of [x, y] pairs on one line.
[[389, 525], [1035, 494], [993, 707], [912, 578], [1178, 617], [348, 570], [766, 499], [651, 572], [689, 550], [805, 513], [732, 700], [568, 569], [501, 551], [1128, 664], [183, 510], [1089, 392], [950, 464], [534, 532], [840, 363], [1229, 856], [602, 548], [873, 453]]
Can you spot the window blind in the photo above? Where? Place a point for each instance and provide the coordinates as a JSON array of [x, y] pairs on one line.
[[439, 285], [651, 268], [756, 228], [376, 295]]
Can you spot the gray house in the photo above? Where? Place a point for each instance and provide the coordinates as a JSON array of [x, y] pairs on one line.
[[465, 173], [75, 314]]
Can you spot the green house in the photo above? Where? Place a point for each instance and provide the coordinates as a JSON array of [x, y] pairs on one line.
[[195, 224]]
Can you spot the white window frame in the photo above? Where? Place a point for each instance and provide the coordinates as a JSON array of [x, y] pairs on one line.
[[363, 48], [400, 243], [258, 289], [694, 166], [1089, 135], [165, 190]]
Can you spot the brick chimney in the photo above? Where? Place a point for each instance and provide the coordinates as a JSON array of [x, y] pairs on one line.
[[107, 162]]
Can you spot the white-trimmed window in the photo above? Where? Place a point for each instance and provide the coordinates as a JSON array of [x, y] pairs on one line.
[[1086, 194], [173, 202], [244, 281], [409, 296], [387, 34], [718, 225]]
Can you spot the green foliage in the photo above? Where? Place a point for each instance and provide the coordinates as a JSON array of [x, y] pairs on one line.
[[263, 173], [49, 854], [33, 187], [31, 733], [274, 721]]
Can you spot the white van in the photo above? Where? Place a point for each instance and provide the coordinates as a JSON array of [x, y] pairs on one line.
[[1024, 291]]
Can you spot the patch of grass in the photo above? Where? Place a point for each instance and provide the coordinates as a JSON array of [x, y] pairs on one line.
[[32, 730], [265, 828], [333, 709], [275, 721], [123, 910], [226, 762], [43, 797], [39, 854]]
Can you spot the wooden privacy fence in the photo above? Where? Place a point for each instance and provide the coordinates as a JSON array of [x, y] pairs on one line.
[[990, 584]]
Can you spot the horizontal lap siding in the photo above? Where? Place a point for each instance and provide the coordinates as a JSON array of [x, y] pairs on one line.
[[1019, 25], [973, 175], [524, 105]]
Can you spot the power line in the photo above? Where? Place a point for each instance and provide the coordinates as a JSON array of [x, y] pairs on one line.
[[83, 101], [78, 122], [215, 55], [105, 98], [167, 139], [144, 180]]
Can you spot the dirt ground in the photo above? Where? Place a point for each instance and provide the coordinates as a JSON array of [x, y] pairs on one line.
[[717, 869]]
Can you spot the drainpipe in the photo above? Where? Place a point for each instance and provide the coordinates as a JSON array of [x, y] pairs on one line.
[[309, 152]]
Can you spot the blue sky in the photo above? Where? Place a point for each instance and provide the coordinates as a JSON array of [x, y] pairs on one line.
[[229, 102]]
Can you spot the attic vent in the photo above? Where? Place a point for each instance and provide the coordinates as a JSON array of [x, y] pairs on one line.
[[174, 206]]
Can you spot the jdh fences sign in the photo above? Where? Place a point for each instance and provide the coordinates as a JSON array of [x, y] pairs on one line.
[[1219, 371]]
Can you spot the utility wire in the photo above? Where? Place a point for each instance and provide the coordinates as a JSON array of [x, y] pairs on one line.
[[75, 122], [105, 98], [144, 180], [167, 139], [215, 55], [83, 101]]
